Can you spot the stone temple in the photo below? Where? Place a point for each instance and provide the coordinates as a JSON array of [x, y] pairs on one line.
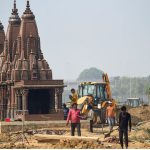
[[26, 81]]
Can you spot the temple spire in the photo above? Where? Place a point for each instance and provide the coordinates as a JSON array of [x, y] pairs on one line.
[[14, 4], [14, 10], [28, 4], [28, 14], [28, 7], [14, 18]]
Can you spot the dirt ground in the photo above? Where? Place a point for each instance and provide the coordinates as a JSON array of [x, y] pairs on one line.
[[140, 114], [139, 137], [102, 143]]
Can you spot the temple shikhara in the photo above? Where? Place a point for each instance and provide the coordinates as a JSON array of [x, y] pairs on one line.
[[26, 81]]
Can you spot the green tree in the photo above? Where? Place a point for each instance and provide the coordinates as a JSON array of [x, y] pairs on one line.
[[91, 74]]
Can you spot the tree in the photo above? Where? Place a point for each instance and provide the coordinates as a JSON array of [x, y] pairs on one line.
[[91, 74]]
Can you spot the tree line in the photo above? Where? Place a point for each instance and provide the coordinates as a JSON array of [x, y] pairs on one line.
[[125, 87], [121, 87]]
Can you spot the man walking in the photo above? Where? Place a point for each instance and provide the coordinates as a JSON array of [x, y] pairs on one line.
[[124, 121]]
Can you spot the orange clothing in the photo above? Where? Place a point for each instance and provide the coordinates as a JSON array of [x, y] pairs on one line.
[[110, 112]]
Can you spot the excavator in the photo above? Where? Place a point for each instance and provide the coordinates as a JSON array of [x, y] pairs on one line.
[[93, 98]]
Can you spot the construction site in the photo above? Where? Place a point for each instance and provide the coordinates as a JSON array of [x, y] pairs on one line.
[[55, 134]]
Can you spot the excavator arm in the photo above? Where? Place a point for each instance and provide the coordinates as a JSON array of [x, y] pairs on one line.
[[108, 90]]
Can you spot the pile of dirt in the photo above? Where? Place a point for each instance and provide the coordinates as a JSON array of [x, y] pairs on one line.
[[79, 144], [140, 114], [141, 132]]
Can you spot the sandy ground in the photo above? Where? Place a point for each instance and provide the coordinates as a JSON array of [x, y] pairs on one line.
[[139, 137], [134, 143]]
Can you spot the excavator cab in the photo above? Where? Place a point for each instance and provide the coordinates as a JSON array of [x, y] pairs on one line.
[[95, 89]]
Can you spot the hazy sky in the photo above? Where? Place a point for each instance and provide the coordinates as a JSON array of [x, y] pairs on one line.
[[112, 35]]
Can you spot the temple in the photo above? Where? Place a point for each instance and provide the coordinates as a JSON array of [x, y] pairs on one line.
[[26, 81]]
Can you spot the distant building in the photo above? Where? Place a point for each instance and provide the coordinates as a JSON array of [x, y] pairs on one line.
[[26, 81]]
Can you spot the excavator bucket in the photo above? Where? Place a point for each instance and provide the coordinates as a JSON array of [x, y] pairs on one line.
[[81, 100]]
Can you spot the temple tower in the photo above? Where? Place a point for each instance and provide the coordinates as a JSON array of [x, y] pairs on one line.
[[26, 78]]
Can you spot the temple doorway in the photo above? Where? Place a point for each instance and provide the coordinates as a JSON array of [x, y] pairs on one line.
[[38, 101]]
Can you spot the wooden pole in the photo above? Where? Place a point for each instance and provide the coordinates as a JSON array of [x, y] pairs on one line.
[[48, 138]]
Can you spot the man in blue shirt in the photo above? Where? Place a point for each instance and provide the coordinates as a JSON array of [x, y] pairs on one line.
[[65, 110], [124, 122]]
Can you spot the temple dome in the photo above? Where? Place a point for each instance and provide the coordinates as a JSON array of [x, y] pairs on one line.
[[14, 18], [28, 14]]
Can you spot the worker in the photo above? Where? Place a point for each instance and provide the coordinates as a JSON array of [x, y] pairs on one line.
[[74, 96], [114, 104], [66, 111], [124, 121], [91, 116], [110, 115], [74, 116], [90, 107]]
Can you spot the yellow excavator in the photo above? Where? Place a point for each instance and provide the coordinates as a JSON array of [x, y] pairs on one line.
[[93, 100]]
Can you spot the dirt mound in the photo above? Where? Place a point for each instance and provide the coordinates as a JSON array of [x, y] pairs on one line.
[[140, 114], [79, 144], [141, 132]]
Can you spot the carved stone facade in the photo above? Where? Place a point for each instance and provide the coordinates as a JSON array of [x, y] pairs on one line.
[[26, 81]]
